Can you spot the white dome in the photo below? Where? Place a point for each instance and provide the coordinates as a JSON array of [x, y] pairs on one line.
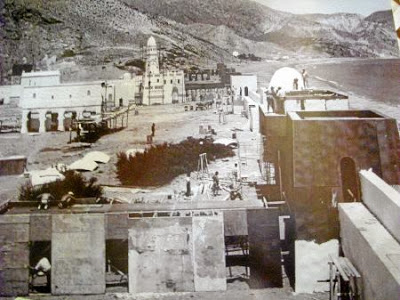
[[284, 78], [151, 42]]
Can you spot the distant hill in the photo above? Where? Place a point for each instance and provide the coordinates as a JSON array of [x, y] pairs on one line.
[[94, 33]]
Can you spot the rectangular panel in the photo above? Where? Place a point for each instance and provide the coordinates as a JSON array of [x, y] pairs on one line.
[[235, 222], [14, 233], [116, 226], [264, 248], [40, 229], [14, 255], [78, 254], [14, 282], [160, 255], [209, 254]]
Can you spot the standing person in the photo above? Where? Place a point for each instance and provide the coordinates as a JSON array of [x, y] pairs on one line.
[[305, 78], [215, 186], [188, 190], [153, 129], [45, 199], [296, 84], [67, 200], [270, 100]]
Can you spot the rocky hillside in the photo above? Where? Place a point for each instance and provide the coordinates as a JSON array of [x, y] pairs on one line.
[[332, 35], [112, 32]]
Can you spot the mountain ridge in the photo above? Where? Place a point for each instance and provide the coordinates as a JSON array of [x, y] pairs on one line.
[[89, 32]]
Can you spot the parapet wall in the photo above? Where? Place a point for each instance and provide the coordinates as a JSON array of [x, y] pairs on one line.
[[382, 200], [372, 250]]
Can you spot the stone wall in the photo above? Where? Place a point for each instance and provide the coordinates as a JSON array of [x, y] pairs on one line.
[[382, 200], [372, 250]]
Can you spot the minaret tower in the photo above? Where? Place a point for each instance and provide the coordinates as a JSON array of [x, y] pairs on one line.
[[152, 65]]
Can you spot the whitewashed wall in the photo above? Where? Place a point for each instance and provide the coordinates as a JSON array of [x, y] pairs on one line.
[[243, 81]]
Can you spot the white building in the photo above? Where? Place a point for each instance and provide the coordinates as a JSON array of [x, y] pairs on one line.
[[243, 84], [48, 105], [160, 86]]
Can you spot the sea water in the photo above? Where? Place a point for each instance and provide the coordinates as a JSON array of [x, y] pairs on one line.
[[376, 79]]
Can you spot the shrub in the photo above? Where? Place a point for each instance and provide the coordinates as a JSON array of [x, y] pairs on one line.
[[73, 182], [68, 53], [160, 164]]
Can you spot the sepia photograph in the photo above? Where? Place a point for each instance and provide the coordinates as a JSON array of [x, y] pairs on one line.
[[199, 149]]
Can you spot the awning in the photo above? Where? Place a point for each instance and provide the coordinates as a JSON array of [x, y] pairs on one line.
[[98, 157], [83, 165], [41, 177]]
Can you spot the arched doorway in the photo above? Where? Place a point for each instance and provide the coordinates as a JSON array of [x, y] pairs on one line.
[[69, 117], [175, 95], [350, 180], [246, 91], [33, 122], [51, 122]]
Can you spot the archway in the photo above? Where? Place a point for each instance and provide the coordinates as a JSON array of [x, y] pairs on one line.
[[51, 123], [33, 122], [175, 95], [246, 91], [69, 117], [350, 180]]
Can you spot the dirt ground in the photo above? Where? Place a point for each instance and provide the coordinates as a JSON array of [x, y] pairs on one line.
[[266, 294], [173, 124]]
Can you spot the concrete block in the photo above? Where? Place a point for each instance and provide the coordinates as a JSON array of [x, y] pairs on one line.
[[160, 255], [372, 250], [235, 222], [40, 228], [14, 219], [78, 254], [14, 282], [14, 233], [382, 200], [209, 254], [116, 226], [14, 256]]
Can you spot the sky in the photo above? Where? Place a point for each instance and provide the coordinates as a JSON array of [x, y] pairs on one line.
[[363, 7]]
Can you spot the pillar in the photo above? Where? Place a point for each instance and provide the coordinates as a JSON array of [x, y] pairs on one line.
[[42, 120], [61, 120], [24, 121]]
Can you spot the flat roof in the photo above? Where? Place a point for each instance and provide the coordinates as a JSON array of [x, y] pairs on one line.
[[332, 115], [41, 73], [17, 208], [313, 95]]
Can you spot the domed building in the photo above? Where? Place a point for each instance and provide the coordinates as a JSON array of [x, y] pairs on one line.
[[284, 78], [160, 86]]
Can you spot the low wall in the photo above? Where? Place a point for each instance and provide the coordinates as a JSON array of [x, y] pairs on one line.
[[317, 105], [382, 200], [372, 250], [255, 97], [12, 165]]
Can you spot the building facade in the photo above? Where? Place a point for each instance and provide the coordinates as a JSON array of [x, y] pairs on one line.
[[49, 105], [159, 86]]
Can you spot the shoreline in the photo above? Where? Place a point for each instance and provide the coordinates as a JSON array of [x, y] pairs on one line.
[[266, 69]]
